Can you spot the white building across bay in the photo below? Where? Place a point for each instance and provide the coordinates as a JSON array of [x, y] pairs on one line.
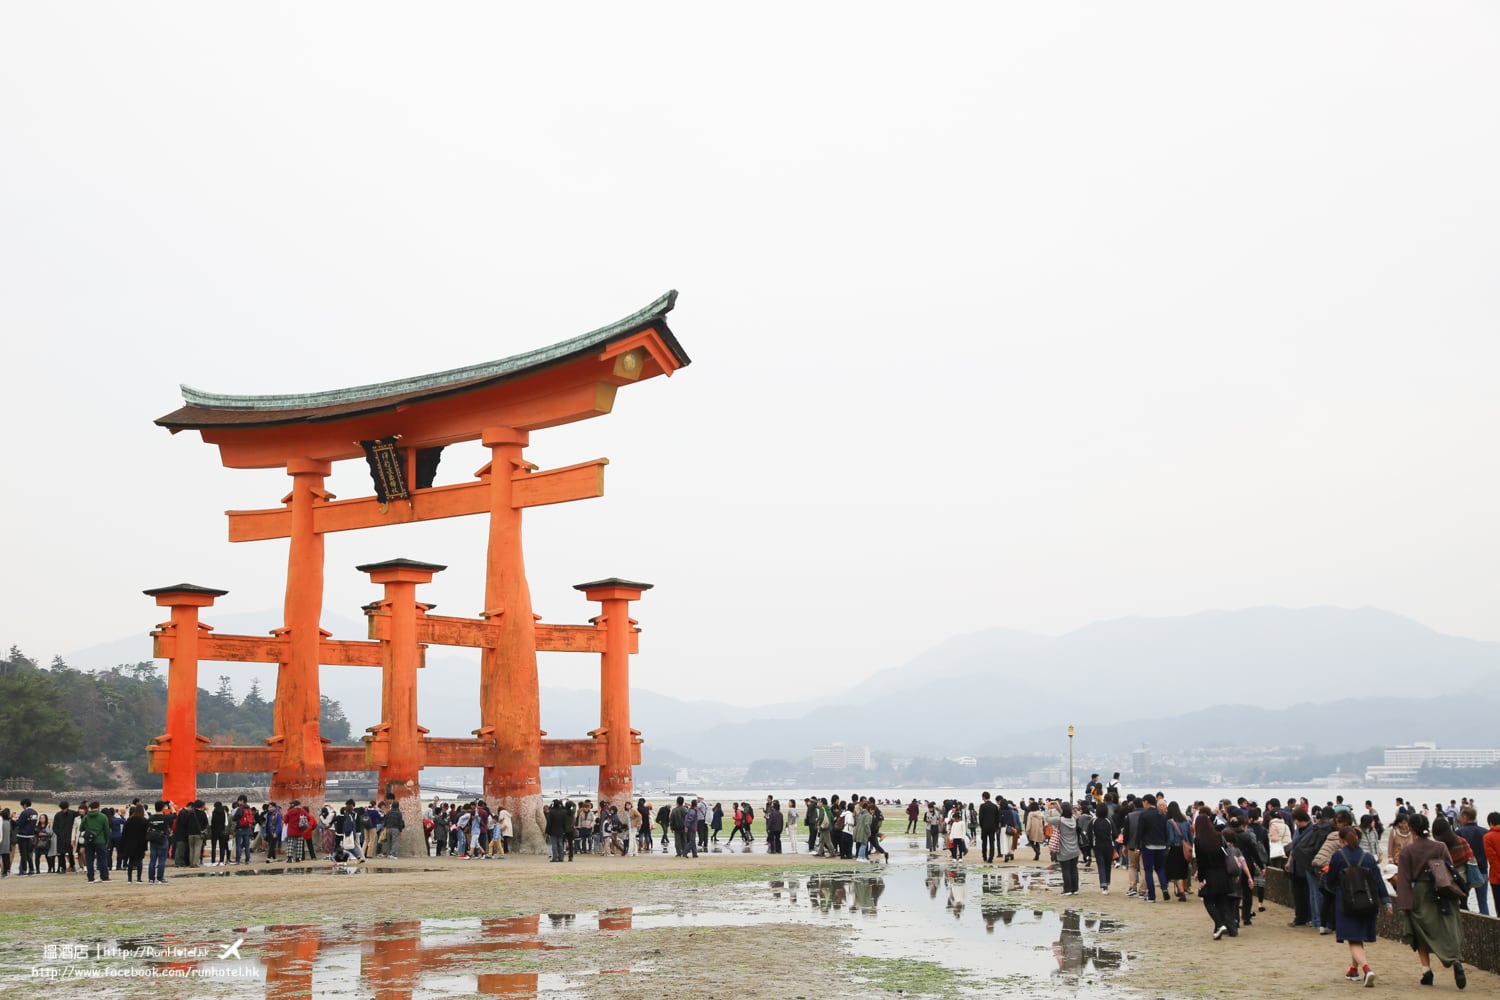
[[837, 757], [1403, 763]]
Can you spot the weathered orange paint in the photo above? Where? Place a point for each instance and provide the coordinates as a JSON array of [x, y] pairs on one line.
[[615, 784], [402, 753], [535, 489], [583, 481], [477, 633], [222, 647], [300, 773], [509, 692], [181, 740]]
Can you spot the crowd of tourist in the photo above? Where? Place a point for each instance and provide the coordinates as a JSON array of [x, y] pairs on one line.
[[141, 840], [1343, 867]]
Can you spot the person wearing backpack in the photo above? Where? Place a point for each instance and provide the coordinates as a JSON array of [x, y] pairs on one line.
[[299, 830], [158, 835], [1359, 894], [242, 822]]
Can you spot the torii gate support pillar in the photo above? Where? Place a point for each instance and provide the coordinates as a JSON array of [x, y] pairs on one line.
[[179, 783], [616, 784], [398, 733]]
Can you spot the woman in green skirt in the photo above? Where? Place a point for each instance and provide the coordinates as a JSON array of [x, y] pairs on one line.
[[1432, 927]]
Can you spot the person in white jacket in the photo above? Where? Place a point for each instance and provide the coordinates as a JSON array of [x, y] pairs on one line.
[[958, 833]]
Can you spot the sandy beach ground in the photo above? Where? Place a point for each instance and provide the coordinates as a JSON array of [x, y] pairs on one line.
[[1169, 944]]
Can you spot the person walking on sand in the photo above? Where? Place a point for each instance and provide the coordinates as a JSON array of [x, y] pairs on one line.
[[861, 834], [1492, 855], [1479, 865], [1179, 858], [557, 830], [1278, 840], [690, 822], [1215, 883], [1154, 839], [989, 828], [1036, 832], [1431, 922], [734, 829], [1359, 893], [1068, 851], [957, 834], [1399, 837], [133, 843], [1103, 834]]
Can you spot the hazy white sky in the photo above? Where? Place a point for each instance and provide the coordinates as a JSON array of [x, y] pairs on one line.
[[1000, 315]]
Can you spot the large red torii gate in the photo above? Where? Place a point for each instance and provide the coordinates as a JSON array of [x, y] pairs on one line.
[[499, 403]]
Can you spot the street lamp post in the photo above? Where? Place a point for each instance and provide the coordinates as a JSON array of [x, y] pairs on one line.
[[1070, 763]]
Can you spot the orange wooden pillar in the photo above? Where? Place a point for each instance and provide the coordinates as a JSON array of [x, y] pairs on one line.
[[509, 693], [402, 753], [301, 772], [615, 774], [179, 782]]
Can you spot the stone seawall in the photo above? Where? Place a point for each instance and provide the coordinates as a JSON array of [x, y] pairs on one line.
[[1481, 935]]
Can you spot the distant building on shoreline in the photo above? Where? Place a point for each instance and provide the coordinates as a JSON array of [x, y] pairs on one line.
[[836, 757], [1140, 761], [1403, 763]]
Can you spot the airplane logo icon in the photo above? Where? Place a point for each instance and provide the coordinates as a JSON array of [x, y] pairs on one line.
[[233, 951]]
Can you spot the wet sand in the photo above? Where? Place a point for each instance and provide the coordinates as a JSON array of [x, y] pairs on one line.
[[1171, 953], [1174, 954]]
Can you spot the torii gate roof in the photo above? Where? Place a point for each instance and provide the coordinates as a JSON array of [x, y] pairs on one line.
[[525, 391]]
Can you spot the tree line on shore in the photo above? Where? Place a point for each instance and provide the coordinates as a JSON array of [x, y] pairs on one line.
[[62, 728]]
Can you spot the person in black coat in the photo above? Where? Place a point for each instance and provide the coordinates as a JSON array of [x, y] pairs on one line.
[[218, 834], [133, 842], [1215, 886], [774, 824], [1102, 832], [989, 827], [62, 825], [557, 829]]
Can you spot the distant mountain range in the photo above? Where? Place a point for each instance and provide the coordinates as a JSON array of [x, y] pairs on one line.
[[1335, 678]]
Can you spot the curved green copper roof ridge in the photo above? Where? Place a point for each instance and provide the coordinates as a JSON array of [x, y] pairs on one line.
[[638, 320]]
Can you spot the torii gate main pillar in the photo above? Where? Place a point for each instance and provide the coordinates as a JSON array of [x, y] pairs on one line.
[[301, 774], [509, 691]]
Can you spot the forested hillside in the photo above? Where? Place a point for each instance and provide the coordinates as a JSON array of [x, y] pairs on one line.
[[61, 727]]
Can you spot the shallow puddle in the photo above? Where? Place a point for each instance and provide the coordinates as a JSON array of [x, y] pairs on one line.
[[918, 925]]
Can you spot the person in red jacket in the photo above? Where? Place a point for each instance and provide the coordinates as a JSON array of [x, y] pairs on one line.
[[299, 830], [1492, 852]]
